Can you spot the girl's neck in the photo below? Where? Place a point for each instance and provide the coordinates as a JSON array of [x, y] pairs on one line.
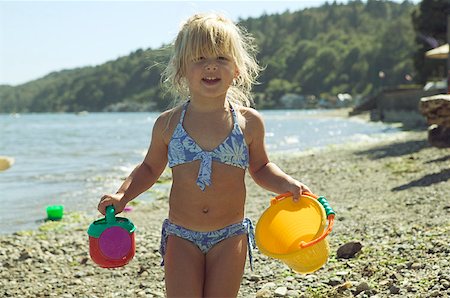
[[208, 105]]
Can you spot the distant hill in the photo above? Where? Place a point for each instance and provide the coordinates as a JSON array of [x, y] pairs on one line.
[[318, 52]]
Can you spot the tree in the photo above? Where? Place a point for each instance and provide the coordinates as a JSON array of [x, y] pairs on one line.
[[430, 25]]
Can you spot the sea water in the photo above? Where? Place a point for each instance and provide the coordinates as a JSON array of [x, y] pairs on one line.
[[71, 160]]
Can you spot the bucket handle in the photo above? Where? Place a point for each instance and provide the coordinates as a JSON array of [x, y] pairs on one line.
[[110, 214], [328, 210]]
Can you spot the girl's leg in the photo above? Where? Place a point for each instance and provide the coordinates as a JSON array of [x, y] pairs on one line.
[[224, 267], [184, 266]]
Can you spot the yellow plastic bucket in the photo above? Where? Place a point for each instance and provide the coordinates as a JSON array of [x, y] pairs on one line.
[[294, 232]]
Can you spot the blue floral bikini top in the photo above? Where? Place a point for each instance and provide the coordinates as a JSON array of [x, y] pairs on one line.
[[232, 151]]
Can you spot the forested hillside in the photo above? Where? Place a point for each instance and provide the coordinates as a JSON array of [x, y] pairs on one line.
[[319, 52]]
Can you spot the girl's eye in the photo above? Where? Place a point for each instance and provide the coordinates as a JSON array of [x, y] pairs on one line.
[[198, 59], [222, 58]]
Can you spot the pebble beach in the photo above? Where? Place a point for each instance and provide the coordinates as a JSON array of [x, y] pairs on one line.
[[391, 199]]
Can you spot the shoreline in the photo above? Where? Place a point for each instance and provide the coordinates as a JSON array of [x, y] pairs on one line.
[[390, 195]]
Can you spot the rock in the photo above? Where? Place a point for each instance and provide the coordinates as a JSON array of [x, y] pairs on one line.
[[416, 266], [24, 255], [254, 277], [334, 281], [439, 136], [281, 291], [394, 289], [77, 282], [435, 293], [342, 273], [436, 109], [289, 278], [362, 287], [348, 250], [269, 285], [342, 287], [411, 288], [79, 274], [264, 293], [292, 293], [395, 276]]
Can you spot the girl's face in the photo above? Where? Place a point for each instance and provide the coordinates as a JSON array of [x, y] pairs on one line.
[[209, 77]]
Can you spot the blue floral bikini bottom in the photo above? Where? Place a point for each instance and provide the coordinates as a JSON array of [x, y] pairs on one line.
[[206, 240]]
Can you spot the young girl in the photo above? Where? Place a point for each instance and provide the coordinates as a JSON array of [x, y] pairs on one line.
[[209, 141]]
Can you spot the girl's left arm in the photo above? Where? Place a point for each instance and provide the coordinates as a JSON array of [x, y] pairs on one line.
[[264, 172]]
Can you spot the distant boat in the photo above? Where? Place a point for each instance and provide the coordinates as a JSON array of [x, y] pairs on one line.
[[6, 162], [82, 113]]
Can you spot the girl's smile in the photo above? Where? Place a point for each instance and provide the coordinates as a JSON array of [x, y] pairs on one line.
[[210, 80]]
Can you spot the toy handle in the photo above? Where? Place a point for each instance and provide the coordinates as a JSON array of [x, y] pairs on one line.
[[110, 214], [325, 233], [281, 197], [330, 216], [328, 210], [289, 194]]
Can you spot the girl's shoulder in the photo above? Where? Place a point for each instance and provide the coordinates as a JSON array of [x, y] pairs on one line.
[[167, 121], [170, 114], [251, 123], [250, 115]]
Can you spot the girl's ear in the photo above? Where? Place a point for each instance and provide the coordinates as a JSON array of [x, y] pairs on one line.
[[236, 72]]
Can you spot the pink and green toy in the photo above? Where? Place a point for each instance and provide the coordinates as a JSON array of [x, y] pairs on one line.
[[111, 240]]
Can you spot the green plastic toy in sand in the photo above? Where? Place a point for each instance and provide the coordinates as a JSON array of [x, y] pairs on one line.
[[55, 212]]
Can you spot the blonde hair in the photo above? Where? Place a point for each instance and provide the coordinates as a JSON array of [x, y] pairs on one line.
[[213, 34]]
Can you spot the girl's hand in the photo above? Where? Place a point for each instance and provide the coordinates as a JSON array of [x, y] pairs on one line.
[[111, 199], [296, 188]]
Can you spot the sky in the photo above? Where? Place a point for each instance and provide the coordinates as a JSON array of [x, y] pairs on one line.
[[39, 37]]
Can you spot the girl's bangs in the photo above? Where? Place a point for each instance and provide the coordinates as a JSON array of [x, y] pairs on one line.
[[204, 42]]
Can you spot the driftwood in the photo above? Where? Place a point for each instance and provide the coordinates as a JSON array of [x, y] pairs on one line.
[[437, 111]]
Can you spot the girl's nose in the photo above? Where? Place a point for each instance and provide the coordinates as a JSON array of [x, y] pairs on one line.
[[210, 65]]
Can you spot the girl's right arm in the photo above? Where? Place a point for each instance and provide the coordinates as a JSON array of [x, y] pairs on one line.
[[264, 172], [145, 174]]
